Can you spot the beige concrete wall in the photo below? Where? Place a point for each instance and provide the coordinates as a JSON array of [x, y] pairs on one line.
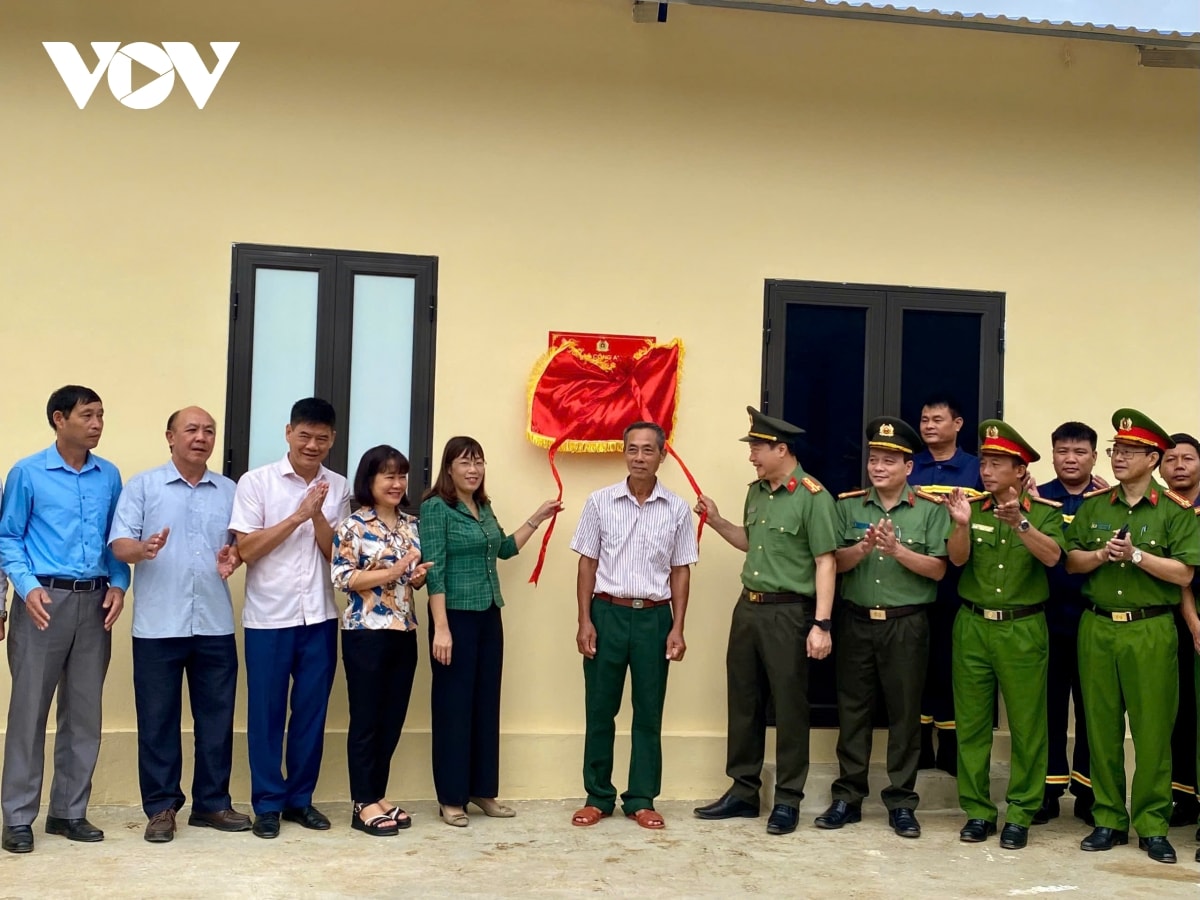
[[572, 170]]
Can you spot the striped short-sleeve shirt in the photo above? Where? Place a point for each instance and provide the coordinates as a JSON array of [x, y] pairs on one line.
[[636, 544]]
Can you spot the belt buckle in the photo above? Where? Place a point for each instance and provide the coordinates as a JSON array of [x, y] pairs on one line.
[[993, 615], [1122, 617], [754, 596], [878, 615], [76, 589], [637, 603]]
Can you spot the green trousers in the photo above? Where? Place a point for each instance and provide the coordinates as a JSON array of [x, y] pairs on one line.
[[633, 640], [1130, 667], [1015, 655], [767, 658], [893, 655]]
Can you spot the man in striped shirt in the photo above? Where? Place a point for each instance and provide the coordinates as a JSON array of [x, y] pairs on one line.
[[635, 542]]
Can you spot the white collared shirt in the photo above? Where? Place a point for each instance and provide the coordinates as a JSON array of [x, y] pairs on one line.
[[636, 544], [290, 585]]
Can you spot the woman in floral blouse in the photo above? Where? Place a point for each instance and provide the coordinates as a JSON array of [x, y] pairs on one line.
[[376, 556]]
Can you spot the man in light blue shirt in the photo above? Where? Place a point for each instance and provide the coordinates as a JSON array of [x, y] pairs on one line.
[[58, 505], [172, 525]]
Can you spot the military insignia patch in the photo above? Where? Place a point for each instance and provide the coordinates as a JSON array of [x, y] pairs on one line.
[[887, 430], [1126, 424], [993, 431], [814, 487]]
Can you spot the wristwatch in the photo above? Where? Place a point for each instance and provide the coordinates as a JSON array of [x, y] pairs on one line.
[[823, 624], [1023, 525], [1136, 557]]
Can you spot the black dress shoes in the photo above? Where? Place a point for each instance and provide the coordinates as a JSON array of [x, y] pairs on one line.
[[839, 813], [18, 839], [74, 829], [1158, 849], [904, 822], [266, 825], [976, 831], [1048, 811], [1104, 839], [308, 816], [783, 819], [1014, 837], [728, 807]]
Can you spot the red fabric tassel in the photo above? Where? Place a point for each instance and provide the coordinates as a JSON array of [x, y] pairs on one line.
[[695, 487], [537, 569]]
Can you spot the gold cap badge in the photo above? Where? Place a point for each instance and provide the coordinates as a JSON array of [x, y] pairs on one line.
[[887, 430], [1126, 423], [993, 431]]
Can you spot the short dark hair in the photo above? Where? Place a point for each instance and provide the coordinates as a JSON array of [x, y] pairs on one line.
[[1074, 431], [66, 398], [313, 411], [443, 486], [384, 458], [659, 435], [949, 401], [1184, 438]]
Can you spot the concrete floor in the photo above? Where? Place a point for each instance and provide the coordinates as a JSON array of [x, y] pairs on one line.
[[540, 853]]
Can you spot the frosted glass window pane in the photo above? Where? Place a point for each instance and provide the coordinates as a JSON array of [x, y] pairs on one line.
[[380, 365], [285, 356]]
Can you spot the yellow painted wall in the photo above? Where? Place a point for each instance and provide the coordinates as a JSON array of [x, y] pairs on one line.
[[573, 170]]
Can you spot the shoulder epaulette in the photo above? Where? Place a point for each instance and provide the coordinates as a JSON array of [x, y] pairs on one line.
[[1096, 493], [846, 495], [1046, 502], [978, 497], [950, 489], [1179, 498], [932, 498], [814, 486]]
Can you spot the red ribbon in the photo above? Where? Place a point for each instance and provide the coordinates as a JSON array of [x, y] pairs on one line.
[[695, 487], [537, 569]]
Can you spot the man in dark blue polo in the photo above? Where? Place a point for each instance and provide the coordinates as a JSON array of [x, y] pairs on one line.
[[940, 467], [1074, 457], [58, 505]]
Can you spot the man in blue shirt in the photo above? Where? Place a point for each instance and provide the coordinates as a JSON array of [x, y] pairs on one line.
[[172, 524], [1074, 458], [941, 466], [58, 505]]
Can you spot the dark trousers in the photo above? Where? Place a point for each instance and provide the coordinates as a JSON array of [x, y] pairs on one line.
[[211, 665], [1183, 737], [766, 658], [465, 701], [379, 677], [1063, 687], [298, 661], [633, 640], [937, 702], [889, 655]]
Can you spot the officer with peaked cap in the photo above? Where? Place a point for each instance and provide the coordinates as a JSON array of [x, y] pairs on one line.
[[1138, 543], [782, 617], [892, 554], [1004, 541]]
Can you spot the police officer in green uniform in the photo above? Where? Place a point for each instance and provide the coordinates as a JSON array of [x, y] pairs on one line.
[[1138, 543], [892, 554], [1005, 541], [782, 618]]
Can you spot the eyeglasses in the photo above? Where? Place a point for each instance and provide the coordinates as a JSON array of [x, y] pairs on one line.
[[1124, 452]]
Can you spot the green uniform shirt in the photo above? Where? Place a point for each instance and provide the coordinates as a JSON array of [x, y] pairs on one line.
[[921, 526], [786, 528], [1157, 525], [1001, 573], [463, 551]]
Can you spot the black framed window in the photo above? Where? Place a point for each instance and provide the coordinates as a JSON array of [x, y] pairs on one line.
[[356, 328]]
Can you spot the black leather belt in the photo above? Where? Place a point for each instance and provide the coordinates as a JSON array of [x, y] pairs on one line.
[[631, 602], [1004, 615], [1130, 615], [883, 613], [75, 585], [765, 597]]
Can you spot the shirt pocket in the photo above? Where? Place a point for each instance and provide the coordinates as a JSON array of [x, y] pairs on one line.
[[1149, 538], [914, 537], [985, 534]]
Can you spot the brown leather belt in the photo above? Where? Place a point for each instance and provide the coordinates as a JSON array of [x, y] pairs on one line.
[[883, 613], [631, 602], [1004, 615], [765, 597], [1130, 615]]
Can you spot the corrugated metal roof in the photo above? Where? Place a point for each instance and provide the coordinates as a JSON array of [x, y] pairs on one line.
[[934, 16]]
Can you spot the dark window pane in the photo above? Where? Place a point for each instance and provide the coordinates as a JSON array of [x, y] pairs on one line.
[[940, 353]]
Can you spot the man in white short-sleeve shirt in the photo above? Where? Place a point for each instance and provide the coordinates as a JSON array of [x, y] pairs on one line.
[[635, 541], [284, 515]]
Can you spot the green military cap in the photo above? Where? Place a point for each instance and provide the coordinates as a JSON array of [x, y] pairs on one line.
[[890, 433], [1139, 428], [1000, 437], [765, 428]]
